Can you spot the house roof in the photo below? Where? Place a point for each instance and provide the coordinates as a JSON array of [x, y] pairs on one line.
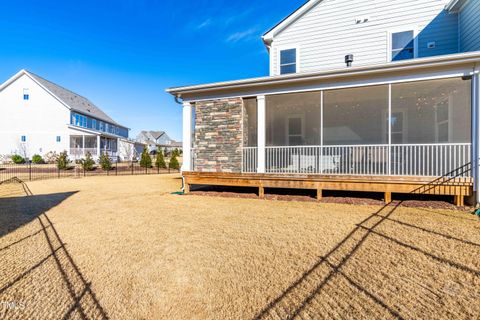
[[285, 22], [332, 74], [455, 5], [69, 98]]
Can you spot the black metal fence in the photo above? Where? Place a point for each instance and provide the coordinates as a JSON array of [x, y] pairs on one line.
[[31, 171]]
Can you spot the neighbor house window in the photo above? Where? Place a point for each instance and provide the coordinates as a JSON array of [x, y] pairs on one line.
[[288, 61], [94, 124], [403, 45], [26, 95], [24, 139], [59, 138]]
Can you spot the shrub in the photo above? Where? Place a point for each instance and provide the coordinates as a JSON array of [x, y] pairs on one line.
[[160, 161], [105, 162], [175, 152], [174, 163], [88, 162], [51, 157], [37, 159], [17, 159], [145, 160], [62, 161]]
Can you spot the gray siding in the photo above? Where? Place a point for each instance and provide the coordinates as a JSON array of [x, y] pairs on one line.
[[470, 26], [326, 33]]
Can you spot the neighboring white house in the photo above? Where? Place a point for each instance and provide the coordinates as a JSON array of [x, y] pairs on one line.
[[362, 95], [157, 139], [38, 116]]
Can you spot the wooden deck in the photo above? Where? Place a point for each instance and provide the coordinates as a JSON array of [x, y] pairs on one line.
[[457, 187]]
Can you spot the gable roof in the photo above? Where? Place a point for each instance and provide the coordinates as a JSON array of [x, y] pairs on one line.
[[69, 98], [455, 5], [304, 8]]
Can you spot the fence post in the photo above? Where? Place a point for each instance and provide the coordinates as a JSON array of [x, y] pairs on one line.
[[30, 171], [132, 167], [58, 172], [116, 167], [146, 169], [84, 171]]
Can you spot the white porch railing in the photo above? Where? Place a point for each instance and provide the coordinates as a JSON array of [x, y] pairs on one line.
[[79, 152], [433, 160], [250, 159]]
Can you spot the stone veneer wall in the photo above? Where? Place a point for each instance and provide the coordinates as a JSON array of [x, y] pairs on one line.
[[218, 135]]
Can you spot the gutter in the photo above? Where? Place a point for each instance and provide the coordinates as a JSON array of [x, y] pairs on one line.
[[405, 65]]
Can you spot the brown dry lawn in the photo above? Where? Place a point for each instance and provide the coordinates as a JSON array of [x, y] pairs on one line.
[[125, 248]]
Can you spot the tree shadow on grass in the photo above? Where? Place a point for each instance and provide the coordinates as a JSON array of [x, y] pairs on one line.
[[38, 276], [317, 290]]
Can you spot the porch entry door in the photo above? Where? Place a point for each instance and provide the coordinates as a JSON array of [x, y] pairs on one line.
[[295, 129]]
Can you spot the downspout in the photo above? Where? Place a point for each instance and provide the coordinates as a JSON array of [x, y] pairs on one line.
[[181, 103]]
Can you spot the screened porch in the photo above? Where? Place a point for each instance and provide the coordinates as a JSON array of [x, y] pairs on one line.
[[420, 128]]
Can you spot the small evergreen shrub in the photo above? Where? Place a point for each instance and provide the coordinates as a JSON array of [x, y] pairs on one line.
[[17, 159], [87, 163], [105, 162], [37, 159], [145, 160], [62, 161], [174, 163], [160, 161]]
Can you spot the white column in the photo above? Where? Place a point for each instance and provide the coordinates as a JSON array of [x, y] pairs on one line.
[[187, 137], [83, 145], [98, 146], [261, 135], [476, 133]]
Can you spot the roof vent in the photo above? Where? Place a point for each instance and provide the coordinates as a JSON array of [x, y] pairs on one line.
[[349, 60]]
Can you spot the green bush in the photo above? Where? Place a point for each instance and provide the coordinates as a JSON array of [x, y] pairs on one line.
[[18, 159], [62, 161], [105, 162], [174, 163], [175, 152], [160, 161], [145, 160], [87, 163], [37, 159]]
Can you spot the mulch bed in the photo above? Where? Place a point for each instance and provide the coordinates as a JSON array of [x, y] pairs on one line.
[[354, 198]]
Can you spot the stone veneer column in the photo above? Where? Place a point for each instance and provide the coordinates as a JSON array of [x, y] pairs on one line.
[[219, 135]]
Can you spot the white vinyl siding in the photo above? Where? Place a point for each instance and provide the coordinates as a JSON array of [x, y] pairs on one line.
[[470, 26], [329, 31]]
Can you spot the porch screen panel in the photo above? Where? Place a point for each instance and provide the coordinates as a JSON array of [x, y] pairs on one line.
[[250, 122], [293, 119], [434, 111], [356, 116]]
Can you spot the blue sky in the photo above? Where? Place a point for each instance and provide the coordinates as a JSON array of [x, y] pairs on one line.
[[122, 54]]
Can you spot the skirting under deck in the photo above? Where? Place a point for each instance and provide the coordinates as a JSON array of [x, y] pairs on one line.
[[457, 187]]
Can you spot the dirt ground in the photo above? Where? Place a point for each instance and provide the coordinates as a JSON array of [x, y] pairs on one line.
[[126, 248]]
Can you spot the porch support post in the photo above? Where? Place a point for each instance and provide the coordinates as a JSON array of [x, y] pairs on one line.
[[389, 148], [83, 145], [261, 136], [98, 146], [187, 137], [476, 133]]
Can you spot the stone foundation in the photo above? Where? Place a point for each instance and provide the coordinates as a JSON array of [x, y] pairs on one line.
[[218, 135]]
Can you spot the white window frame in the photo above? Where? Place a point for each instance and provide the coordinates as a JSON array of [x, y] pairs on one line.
[[386, 120], [448, 121], [297, 57], [300, 116], [398, 30]]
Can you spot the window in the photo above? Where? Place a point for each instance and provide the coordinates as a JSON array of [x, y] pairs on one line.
[[403, 45], [295, 130], [94, 124], [288, 61], [24, 139], [26, 95], [59, 138]]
